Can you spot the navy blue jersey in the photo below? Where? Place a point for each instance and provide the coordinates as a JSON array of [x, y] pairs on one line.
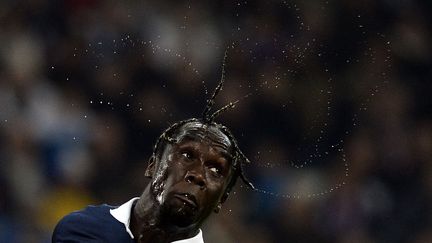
[[92, 224]]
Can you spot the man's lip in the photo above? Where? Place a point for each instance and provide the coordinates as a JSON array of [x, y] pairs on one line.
[[188, 198]]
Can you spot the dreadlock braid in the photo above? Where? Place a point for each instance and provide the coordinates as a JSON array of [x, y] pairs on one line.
[[211, 101], [224, 108], [238, 156]]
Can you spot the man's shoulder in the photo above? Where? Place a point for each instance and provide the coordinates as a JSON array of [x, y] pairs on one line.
[[92, 224], [90, 215]]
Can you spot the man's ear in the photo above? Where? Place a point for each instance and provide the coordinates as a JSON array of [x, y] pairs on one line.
[[226, 193], [150, 167], [223, 199]]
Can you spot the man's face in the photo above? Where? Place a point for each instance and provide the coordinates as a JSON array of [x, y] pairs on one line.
[[192, 174]]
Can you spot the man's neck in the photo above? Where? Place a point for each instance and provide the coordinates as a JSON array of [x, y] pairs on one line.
[[147, 224]]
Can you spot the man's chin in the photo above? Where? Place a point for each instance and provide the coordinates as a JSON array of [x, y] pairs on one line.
[[183, 222], [181, 215]]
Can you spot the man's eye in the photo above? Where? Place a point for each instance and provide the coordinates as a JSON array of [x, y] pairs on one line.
[[215, 171], [187, 155]]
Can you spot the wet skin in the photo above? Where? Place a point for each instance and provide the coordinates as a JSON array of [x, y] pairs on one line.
[[189, 180]]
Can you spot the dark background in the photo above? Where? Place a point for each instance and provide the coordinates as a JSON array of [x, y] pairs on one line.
[[338, 120]]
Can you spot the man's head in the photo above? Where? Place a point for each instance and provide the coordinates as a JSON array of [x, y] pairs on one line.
[[195, 164], [193, 168]]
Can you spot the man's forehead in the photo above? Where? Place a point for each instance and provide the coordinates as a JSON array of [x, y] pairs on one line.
[[197, 131]]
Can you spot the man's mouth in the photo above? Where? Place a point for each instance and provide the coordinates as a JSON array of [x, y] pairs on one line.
[[188, 199]]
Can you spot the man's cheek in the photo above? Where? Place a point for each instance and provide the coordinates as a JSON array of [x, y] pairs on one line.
[[176, 171], [215, 194]]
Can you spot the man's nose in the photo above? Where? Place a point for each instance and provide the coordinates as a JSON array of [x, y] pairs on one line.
[[195, 176]]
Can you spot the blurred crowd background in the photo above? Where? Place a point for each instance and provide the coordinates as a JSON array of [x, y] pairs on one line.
[[338, 118]]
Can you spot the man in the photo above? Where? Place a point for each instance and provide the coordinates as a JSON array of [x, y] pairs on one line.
[[194, 165]]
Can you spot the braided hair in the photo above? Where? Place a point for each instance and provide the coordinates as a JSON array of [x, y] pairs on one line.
[[239, 157]]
